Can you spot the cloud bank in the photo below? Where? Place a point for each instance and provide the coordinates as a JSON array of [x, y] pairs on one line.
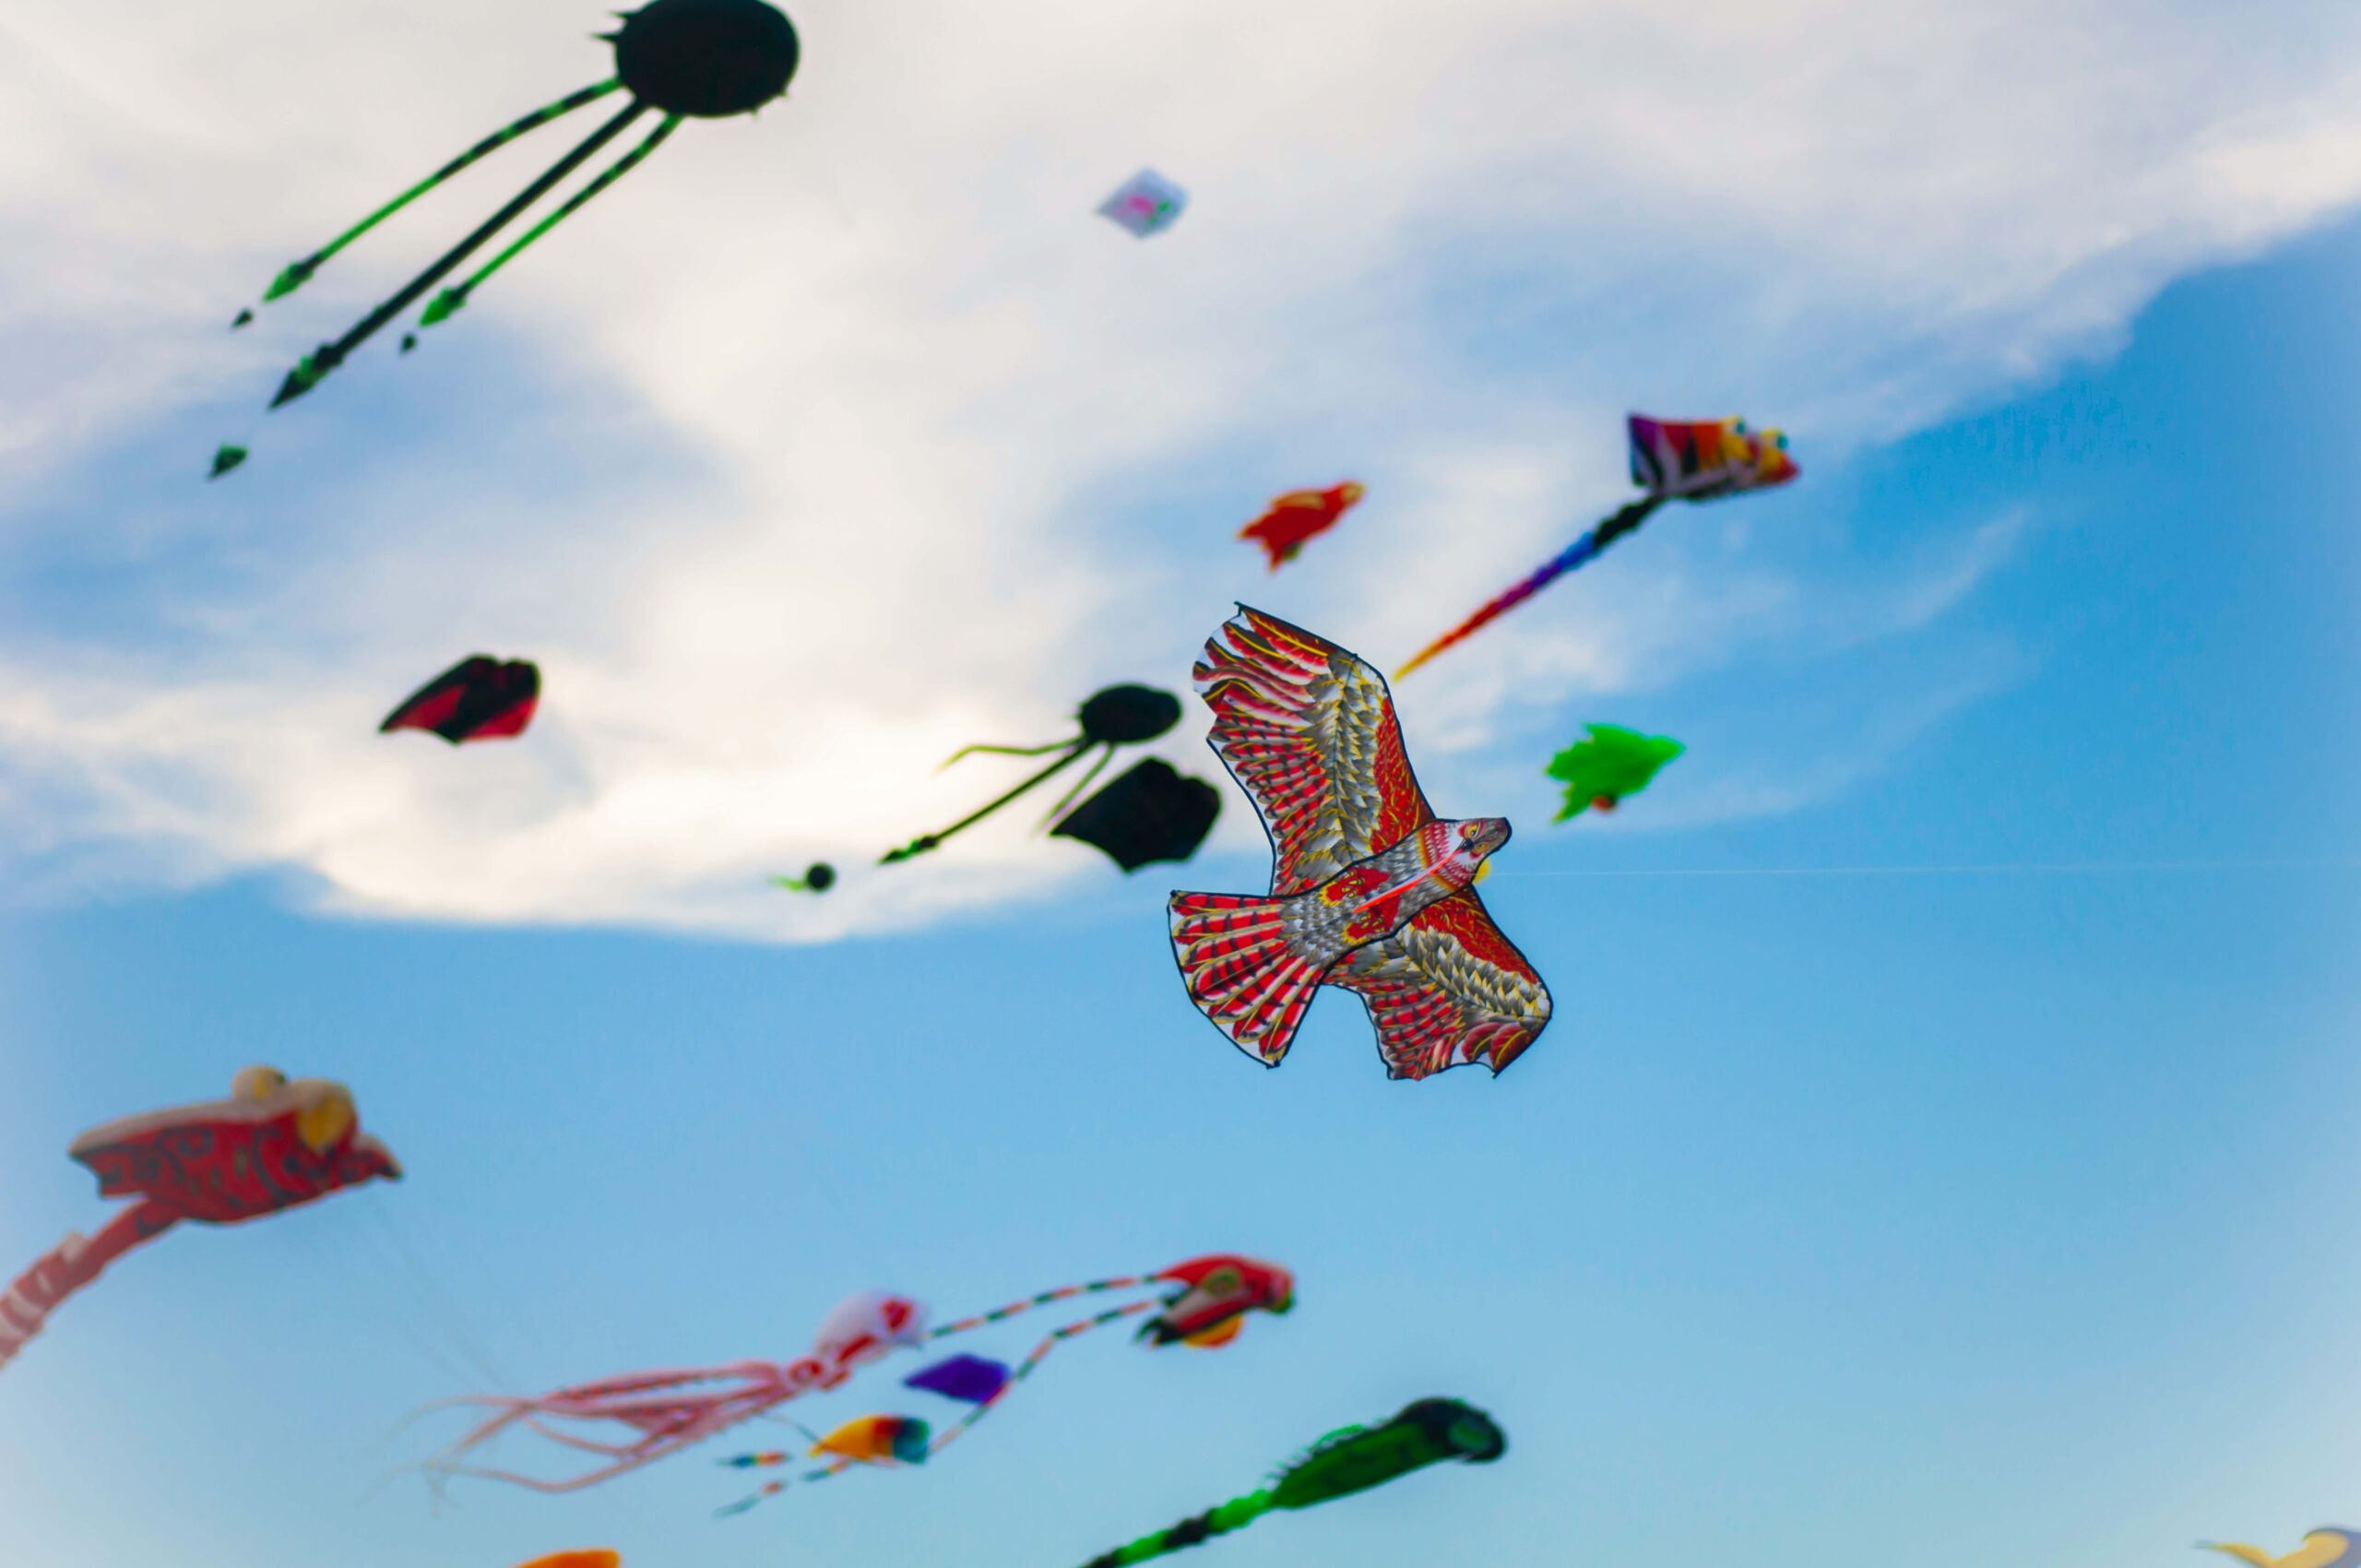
[[832, 440]]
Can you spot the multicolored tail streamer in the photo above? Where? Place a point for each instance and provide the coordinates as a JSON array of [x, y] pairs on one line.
[[1581, 553], [1672, 460], [1047, 1297]]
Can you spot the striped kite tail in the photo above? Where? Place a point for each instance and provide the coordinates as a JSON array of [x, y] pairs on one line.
[[1063, 1293], [1023, 1369], [67, 1267]]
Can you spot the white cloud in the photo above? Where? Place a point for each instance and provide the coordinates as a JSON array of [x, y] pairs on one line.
[[894, 446]]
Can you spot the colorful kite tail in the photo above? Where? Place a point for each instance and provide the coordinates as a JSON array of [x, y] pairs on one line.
[[1063, 1293], [1573, 556], [1237, 1514], [67, 1267], [1023, 1369]]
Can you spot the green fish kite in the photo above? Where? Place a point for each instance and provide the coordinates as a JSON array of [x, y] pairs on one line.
[[1613, 762], [1348, 1460]]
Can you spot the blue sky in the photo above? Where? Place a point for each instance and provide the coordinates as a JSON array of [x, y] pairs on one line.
[[1849, 1202]]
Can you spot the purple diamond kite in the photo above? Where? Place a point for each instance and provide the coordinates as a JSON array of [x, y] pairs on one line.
[[971, 1379]]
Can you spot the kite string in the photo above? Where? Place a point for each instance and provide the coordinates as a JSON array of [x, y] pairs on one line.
[[2027, 868], [440, 1303]]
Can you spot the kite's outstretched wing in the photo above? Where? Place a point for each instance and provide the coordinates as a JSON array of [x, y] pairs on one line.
[[1307, 730], [1447, 988]]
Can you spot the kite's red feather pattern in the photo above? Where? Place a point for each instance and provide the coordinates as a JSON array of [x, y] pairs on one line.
[[1309, 731]]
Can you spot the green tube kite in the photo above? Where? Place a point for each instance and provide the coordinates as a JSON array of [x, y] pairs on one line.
[[1349, 1460]]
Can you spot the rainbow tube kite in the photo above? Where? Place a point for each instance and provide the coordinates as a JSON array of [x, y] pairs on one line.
[[1696, 461]]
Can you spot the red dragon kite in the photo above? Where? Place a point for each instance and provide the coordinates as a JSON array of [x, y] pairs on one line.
[[271, 1145]]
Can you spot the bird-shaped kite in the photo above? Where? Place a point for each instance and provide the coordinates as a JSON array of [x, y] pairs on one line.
[[1299, 515], [1613, 762], [271, 1145], [480, 698], [681, 59], [2331, 1545], [1691, 460], [1216, 1294], [1348, 1460], [1370, 889]]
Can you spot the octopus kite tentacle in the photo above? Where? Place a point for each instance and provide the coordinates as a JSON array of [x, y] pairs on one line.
[[668, 1421]]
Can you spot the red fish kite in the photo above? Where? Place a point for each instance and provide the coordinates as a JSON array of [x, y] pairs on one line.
[[1299, 515], [477, 699], [1221, 1292], [272, 1144], [1695, 460], [1370, 889]]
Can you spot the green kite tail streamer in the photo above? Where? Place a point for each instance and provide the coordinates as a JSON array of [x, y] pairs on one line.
[[453, 298], [1346, 1461], [316, 366], [296, 274]]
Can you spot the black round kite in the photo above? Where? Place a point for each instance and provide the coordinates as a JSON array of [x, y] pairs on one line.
[[702, 59]]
